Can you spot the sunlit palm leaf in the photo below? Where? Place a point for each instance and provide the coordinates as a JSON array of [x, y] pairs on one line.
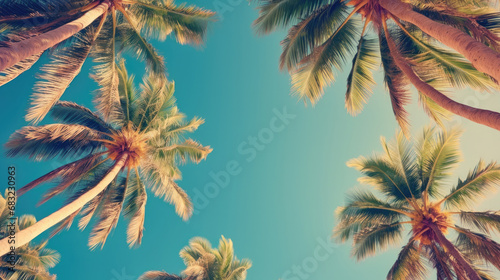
[[397, 84], [311, 32], [56, 76], [434, 111], [486, 222], [481, 180], [160, 18], [383, 175], [479, 246], [135, 209], [360, 81], [278, 13], [130, 40], [315, 71], [363, 210], [32, 141], [376, 238], [438, 159], [11, 73], [409, 264]]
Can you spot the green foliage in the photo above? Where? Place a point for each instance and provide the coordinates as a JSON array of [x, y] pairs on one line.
[[322, 36], [122, 29], [154, 131], [407, 176]]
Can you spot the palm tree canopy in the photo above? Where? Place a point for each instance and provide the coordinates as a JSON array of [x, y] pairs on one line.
[[33, 261], [125, 27], [324, 35], [146, 125], [412, 184], [206, 263]]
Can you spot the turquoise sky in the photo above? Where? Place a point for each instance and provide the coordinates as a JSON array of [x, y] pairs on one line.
[[279, 202]]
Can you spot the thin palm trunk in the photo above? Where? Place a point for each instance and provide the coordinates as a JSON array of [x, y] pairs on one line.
[[16, 52], [452, 250], [481, 56], [26, 235], [480, 116]]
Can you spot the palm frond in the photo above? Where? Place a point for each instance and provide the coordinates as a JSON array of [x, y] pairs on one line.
[[440, 260], [159, 19], [482, 179], [105, 73], [109, 213], [11, 73], [443, 64], [163, 185], [59, 73], [127, 92], [311, 32], [72, 113], [131, 40], [479, 246], [397, 84], [438, 156], [315, 71], [154, 97], [360, 80], [48, 141], [363, 209], [383, 175], [433, 110], [135, 209], [189, 149], [409, 264], [376, 238], [486, 222], [278, 13]]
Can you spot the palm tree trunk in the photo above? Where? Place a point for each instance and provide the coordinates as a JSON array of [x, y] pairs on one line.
[[26, 235], [481, 56], [16, 52], [480, 116], [445, 243]]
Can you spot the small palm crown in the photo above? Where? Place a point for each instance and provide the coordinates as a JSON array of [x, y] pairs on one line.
[[412, 180], [145, 127], [206, 263]]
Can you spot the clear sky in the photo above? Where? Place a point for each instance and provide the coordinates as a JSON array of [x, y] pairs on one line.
[[278, 202]]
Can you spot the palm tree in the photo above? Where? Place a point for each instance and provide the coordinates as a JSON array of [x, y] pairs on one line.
[[73, 30], [141, 145], [328, 32], [206, 263], [412, 181], [32, 261]]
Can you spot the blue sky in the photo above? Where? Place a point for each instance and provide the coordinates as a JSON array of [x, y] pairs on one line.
[[277, 202]]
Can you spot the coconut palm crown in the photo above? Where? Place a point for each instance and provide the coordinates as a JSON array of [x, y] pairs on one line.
[[325, 34], [412, 183], [32, 261], [70, 31], [206, 263], [144, 138]]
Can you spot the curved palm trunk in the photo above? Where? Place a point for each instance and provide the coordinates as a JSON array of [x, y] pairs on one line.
[[482, 57], [480, 116], [13, 54], [452, 250], [26, 235]]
